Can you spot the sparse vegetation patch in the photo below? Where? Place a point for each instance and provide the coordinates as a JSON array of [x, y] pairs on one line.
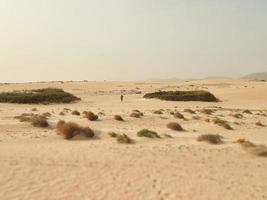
[[148, 133], [174, 126], [198, 95], [40, 96], [210, 138]]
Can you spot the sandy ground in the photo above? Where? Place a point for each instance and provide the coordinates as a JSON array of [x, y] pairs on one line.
[[38, 164]]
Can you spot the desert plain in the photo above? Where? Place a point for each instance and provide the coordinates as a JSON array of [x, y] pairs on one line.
[[36, 163]]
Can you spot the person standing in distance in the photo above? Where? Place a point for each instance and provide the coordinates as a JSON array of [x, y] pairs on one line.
[[122, 97]]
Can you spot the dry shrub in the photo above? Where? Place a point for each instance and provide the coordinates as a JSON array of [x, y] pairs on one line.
[[207, 111], [61, 113], [259, 124], [222, 123], [158, 112], [210, 138], [139, 112], [174, 126], [34, 109], [189, 111], [148, 133], [258, 150], [237, 115], [135, 115], [178, 115], [124, 139], [76, 112], [34, 119], [167, 135], [207, 120], [91, 116], [112, 134], [118, 118], [196, 117], [47, 114], [69, 129], [247, 112]]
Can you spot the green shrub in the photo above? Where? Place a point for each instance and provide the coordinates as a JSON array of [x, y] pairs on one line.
[[183, 96], [47, 95], [148, 133]]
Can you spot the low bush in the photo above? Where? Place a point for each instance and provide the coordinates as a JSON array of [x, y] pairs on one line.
[[118, 118], [124, 139], [210, 138], [198, 95], [69, 129], [174, 126], [47, 95], [148, 133], [91, 116], [222, 123]]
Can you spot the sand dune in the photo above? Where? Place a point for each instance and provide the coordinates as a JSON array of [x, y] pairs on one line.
[[36, 163]]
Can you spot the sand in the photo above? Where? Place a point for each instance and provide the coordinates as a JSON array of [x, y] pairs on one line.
[[37, 163]]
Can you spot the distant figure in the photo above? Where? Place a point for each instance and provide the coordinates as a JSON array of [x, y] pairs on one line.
[[122, 98]]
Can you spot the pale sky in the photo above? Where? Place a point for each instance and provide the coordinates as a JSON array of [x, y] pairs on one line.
[[44, 40]]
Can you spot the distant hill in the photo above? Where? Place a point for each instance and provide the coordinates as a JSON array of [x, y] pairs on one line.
[[256, 76]]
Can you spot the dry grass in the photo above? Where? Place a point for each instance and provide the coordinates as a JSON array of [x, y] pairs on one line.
[[210, 138], [76, 112], [118, 118], [196, 117], [139, 112], [167, 135], [34, 119], [69, 129], [174, 126], [125, 139], [44, 96], [91, 116], [47, 114], [222, 123], [61, 113], [258, 150], [183, 96], [148, 133], [178, 115]]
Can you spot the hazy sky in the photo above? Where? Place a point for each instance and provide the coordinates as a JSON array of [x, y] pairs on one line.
[[131, 39]]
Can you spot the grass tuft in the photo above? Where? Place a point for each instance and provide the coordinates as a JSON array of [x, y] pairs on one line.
[[222, 123]]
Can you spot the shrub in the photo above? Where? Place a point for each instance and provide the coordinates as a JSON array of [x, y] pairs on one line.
[[222, 123], [158, 112], [178, 115], [112, 134], [91, 116], [61, 113], [139, 112], [174, 126], [34, 119], [258, 150], [189, 111], [135, 115], [34, 109], [69, 129], [118, 118], [259, 124], [47, 114], [167, 136], [124, 139], [196, 117], [47, 95], [247, 112], [207, 111], [237, 115], [183, 96], [148, 133], [76, 112], [210, 138]]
